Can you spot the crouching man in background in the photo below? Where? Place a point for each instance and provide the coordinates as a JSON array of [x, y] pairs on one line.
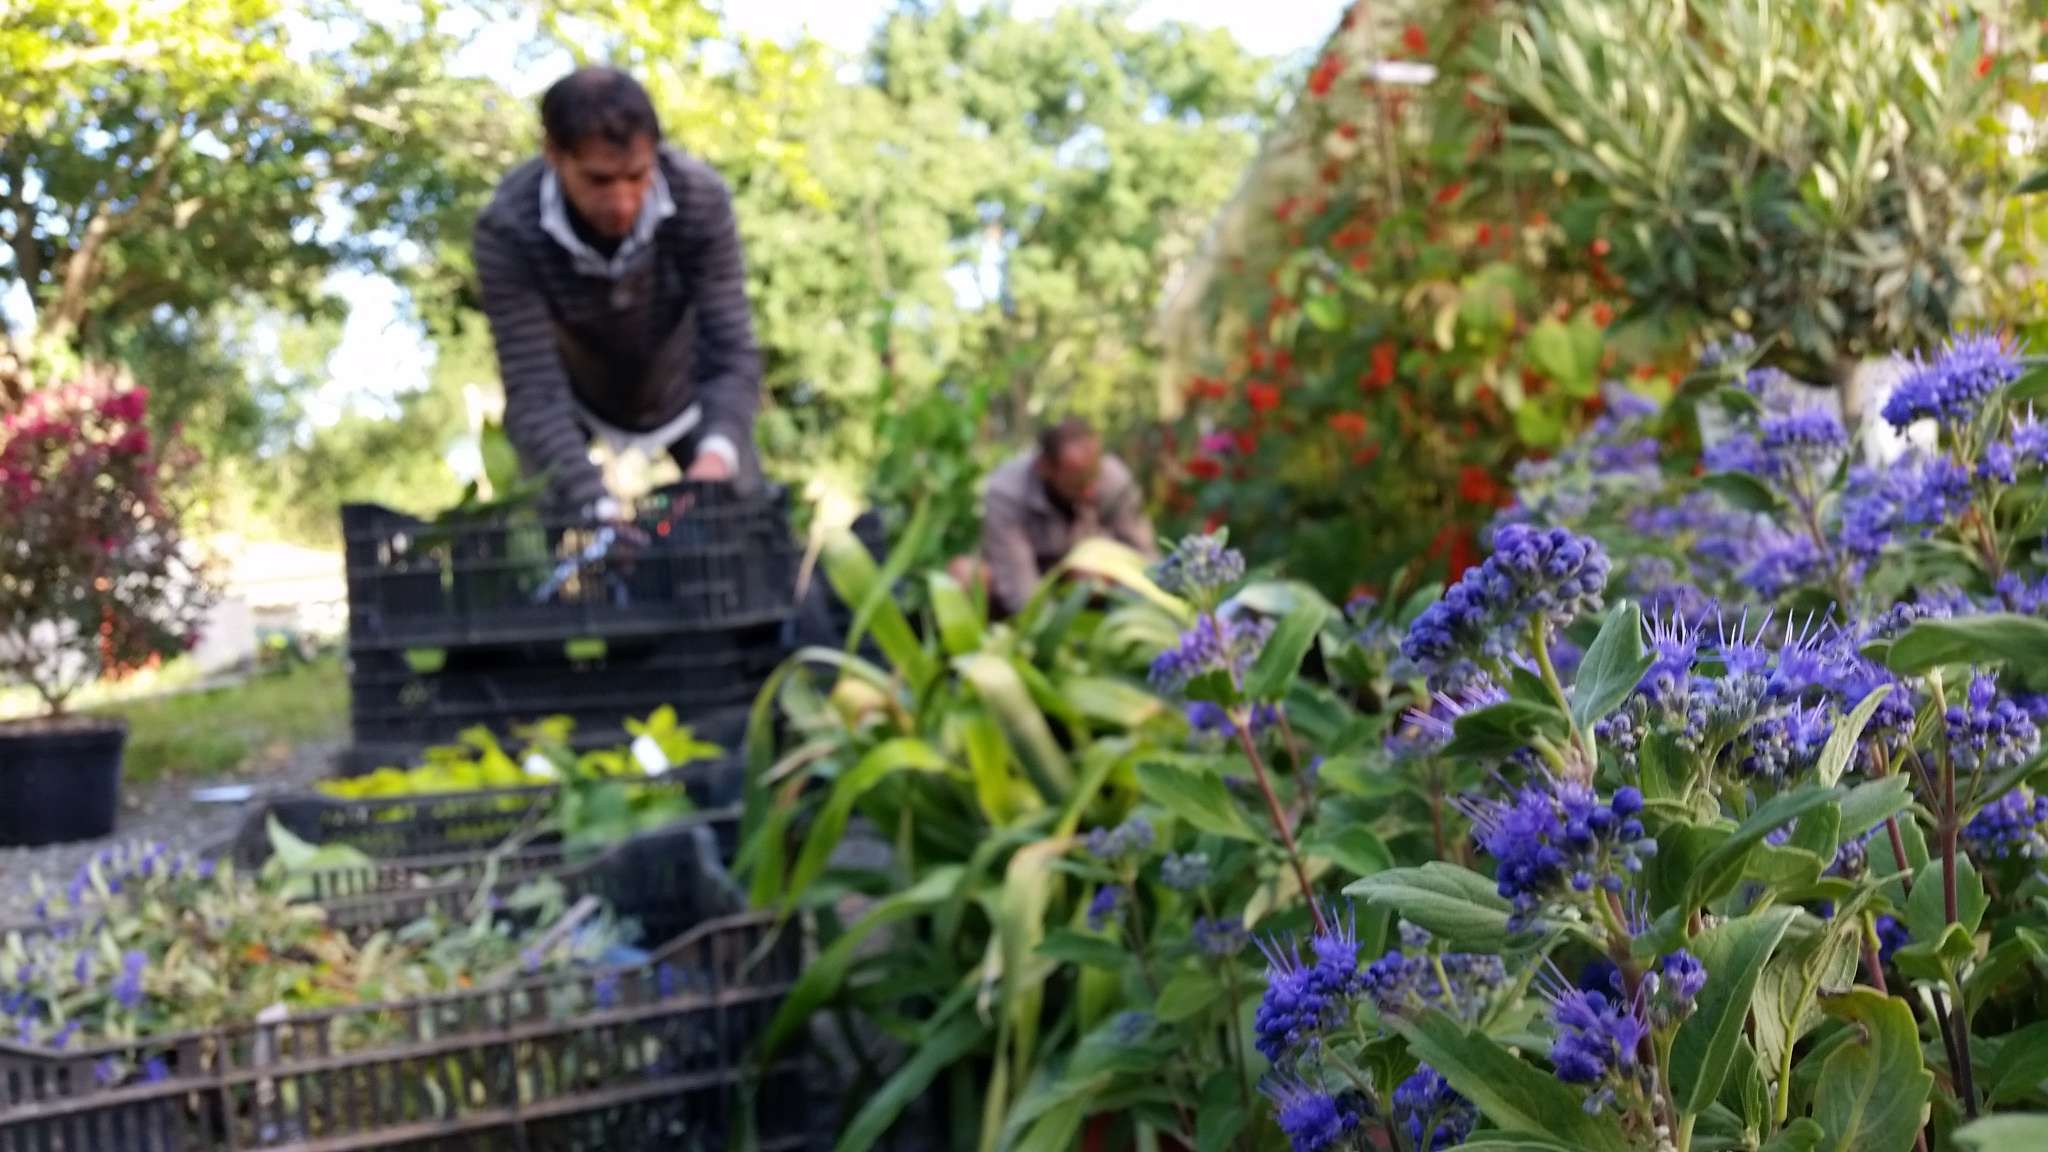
[[1041, 504]]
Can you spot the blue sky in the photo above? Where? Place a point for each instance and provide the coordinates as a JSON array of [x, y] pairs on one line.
[[381, 353]]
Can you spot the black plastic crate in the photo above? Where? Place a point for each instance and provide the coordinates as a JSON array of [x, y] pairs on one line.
[[452, 823], [710, 558], [398, 702], [648, 1056]]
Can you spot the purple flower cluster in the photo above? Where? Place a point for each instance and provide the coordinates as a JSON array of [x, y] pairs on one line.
[[1987, 731], [1213, 721], [1785, 742], [1781, 561], [1108, 902], [1554, 835], [1424, 731], [1200, 567], [1185, 872], [1597, 1036], [1406, 980], [1303, 1000], [1810, 440], [1433, 1114], [1369, 630], [128, 987], [1220, 938], [1625, 458], [1680, 978], [1736, 349], [1953, 387], [1312, 1119], [2012, 827], [1129, 840], [1537, 576], [1215, 644]]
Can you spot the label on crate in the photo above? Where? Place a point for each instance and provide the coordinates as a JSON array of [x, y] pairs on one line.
[[648, 754], [539, 765]]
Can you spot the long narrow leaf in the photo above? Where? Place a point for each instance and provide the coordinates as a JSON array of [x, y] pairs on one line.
[[824, 976], [935, 1054], [958, 618], [899, 755], [852, 573], [1107, 560], [995, 680]]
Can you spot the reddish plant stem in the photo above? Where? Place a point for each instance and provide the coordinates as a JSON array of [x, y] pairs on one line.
[[1273, 809]]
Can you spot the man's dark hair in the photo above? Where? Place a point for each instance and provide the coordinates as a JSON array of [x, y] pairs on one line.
[[1054, 439], [604, 103]]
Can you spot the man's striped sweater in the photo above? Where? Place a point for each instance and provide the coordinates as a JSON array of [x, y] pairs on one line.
[[670, 329]]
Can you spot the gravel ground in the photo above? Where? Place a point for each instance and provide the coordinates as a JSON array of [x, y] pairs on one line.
[[165, 812]]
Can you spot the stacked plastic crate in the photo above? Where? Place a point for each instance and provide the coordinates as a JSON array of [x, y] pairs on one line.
[[645, 1055], [504, 617]]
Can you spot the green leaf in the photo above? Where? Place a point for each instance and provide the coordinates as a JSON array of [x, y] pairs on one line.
[[1222, 1115], [2038, 182], [1111, 560], [959, 621], [1801, 1135], [1071, 947], [1325, 310], [1742, 490], [1723, 866], [2001, 967], [1927, 907], [2032, 386], [1504, 729], [2021, 1065], [826, 974], [996, 681], [1280, 660], [933, 1054], [1873, 1089], [1459, 906], [1349, 846], [1197, 797], [1188, 995], [1937, 957], [1358, 776], [1868, 805], [1556, 352], [2003, 1134], [1613, 665], [1512, 1142], [1841, 745], [885, 760], [1510, 1091], [850, 569], [1734, 955], [1738, 402], [2018, 641], [1112, 702]]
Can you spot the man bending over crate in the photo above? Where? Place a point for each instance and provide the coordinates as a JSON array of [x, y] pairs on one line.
[[1042, 503], [611, 276]]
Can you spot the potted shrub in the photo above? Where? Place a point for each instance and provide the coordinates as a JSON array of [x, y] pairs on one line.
[[95, 581]]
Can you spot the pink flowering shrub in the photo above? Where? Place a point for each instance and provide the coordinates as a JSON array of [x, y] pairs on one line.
[[95, 577]]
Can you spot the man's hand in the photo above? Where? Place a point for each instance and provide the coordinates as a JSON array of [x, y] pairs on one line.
[[709, 466]]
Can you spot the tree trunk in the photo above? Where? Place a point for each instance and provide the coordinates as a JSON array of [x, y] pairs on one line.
[[82, 269]]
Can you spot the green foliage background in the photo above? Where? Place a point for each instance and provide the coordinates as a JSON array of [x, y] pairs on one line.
[[175, 193]]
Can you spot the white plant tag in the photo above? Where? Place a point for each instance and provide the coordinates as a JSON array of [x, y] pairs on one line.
[[651, 758]]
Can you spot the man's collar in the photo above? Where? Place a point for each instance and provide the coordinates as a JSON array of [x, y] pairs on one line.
[[554, 220]]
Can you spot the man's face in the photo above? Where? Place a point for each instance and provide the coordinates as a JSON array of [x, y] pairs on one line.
[[606, 183], [1070, 476]]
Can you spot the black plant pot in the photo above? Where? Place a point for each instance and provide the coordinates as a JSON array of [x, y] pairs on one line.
[[59, 781]]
